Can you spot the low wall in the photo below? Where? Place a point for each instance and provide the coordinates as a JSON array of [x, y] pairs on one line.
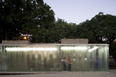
[[74, 41], [15, 42]]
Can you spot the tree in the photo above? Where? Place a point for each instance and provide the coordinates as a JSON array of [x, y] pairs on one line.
[[104, 25], [24, 15], [84, 30], [12, 15], [44, 20], [100, 28], [64, 29]]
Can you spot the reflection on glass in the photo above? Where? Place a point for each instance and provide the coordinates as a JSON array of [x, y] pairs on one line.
[[50, 58]]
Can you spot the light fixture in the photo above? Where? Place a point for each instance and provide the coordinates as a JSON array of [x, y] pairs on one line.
[[92, 49], [30, 49], [24, 37], [74, 48]]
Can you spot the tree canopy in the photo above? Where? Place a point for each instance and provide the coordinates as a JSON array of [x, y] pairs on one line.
[[24, 15], [100, 29]]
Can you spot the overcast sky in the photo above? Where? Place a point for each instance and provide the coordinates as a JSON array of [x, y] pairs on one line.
[[77, 11]]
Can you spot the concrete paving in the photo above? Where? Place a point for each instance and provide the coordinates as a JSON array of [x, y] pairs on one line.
[[111, 73]]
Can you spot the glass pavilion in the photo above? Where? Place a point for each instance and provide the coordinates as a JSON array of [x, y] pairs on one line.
[[49, 57]]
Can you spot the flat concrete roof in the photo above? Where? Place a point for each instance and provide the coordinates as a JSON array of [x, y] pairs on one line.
[[48, 44]]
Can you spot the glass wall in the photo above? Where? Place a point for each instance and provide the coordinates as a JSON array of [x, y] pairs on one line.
[[50, 57]]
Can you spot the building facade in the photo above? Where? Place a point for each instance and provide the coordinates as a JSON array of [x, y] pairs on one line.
[[50, 57]]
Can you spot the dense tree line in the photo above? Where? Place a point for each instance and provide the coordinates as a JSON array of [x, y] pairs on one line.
[[100, 29], [37, 18], [24, 15]]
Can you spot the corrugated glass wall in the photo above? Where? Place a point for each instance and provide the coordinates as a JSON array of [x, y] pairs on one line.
[[50, 57]]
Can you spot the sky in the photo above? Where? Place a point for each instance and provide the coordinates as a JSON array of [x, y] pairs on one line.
[[78, 11]]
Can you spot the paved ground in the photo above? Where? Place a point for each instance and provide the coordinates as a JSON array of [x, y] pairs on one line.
[[111, 73]]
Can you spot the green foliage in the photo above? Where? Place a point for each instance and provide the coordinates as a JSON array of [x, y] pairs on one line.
[[24, 15], [84, 30], [64, 29], [60, 30], [9, 13], [100, 29]]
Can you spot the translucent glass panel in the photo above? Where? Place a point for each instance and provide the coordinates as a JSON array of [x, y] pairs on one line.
[[87, 57], [46, 57]]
